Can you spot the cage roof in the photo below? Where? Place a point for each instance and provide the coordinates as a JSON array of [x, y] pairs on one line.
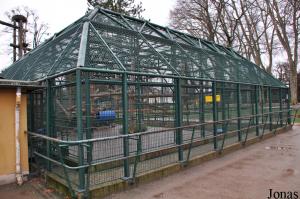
[[107, 40]]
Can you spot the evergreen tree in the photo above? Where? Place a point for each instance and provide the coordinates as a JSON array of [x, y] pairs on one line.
[[126, 7]]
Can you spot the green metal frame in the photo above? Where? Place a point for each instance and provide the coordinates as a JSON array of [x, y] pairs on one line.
[[107, 48]]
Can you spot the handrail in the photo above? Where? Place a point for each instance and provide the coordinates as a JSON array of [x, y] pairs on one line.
[[74, 142], [140, 154]]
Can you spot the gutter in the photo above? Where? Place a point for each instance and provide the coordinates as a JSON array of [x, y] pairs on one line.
[[17, 133]]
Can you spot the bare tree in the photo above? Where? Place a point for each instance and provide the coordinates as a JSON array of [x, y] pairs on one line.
[[36, 30], [285, 16], [282, 71], [197, 17], [239, 24]]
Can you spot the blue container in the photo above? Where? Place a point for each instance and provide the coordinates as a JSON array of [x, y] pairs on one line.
[[106, 116]]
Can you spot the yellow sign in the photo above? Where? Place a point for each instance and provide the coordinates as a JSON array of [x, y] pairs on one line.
[[209, 98]]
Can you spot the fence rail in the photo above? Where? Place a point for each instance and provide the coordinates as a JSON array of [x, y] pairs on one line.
[[104, 159]]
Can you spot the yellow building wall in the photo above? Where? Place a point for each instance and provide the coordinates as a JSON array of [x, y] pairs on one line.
[[7, 132]]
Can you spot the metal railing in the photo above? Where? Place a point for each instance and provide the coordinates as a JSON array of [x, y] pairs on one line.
[[104, 159]]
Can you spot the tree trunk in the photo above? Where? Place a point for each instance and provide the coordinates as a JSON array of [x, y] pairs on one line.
[[293, 83]]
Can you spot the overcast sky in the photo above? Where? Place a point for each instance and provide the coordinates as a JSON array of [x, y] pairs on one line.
[[60, 13]]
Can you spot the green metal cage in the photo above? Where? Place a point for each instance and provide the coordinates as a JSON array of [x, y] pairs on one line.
[[123, 96]]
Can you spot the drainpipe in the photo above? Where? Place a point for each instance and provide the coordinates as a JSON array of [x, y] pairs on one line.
[[17, 129]]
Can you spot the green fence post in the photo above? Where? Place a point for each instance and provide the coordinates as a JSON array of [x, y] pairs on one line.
[[214, 91], [280, 107], [178, 116], [125, 125], [270, 108], [256, 109], [79, 129], [223, 105], [49, 120], [238, 99], [88, 117], [202, 109]]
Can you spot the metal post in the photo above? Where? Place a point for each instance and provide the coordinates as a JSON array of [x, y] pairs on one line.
[[88, 117], [14, 42], [49, 120], [125, 125], [202, 109], [270, 107], [256, 109], [223, 106], [238, 98], [88, 131], [79, 129], [214, 91], [289, 106], [178, 117]]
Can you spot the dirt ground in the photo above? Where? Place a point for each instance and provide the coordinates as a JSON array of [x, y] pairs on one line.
[[32, 189], [245, 174]]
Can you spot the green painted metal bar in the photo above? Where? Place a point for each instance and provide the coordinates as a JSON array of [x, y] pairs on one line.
[[178, 118], [190, 146], [190, 57], [49, 121], [125, 125], [202, 109], [264, 126], [224, 137], [289, 106], [65, 171], [83, 45], [89, 133], [247, 131], [214, 91], [256, 109], [119, 63], [275, 130], [151, 47], [262, 101], [280, 107], [270, 108], [223, 104], [79, 126], [238, 99], [64, 52], [137, 156], [152, 75]]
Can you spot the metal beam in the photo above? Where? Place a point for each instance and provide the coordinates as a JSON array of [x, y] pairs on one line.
[[81, 185], [119, 63], [48, 120], [125, 126], [238, 99], [178, 118], [83, 45], [256, 95], [8, 24], [270, 108], [214, 92]]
